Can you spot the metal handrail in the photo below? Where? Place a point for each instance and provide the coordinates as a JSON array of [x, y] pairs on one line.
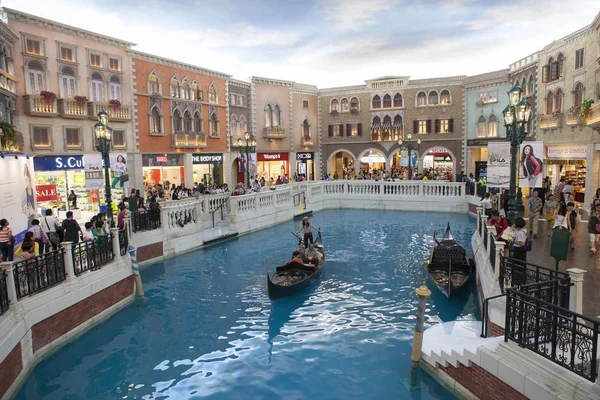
[[220, 206], [485, 317], [301, 198]]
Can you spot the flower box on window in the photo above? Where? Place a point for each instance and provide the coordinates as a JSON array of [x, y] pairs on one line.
[[48, 96], [114, 103], [80, 100]]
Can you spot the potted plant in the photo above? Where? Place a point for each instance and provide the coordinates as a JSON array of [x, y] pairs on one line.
[[114, 103], [48, 96], [10, 138], [80, 100]]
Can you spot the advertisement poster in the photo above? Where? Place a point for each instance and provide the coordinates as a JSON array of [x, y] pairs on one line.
[[46, 193], [498, 165], [17, 195], [531, 165], [404, 158], [94, 171]]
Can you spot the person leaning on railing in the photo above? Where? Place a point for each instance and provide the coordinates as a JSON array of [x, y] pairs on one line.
[[29, 248], [6, 240]]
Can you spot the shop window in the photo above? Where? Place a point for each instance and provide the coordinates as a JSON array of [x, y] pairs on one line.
[[387, 101], [96, 60], [41, 136], [421, 99], [155, 121], [212, 95], [114, 64], [578, 95], [305, 104], [118, 138], [579, 59], [481, 127], [153, 84], [445, 98], [175, 88], [67, 80], [345, 105], [433, 98], [376, 102], [115, 88], [335, 105], [72, 138], [66, 54], [97, 87], [35, 77], [492, 126], [398, 100]]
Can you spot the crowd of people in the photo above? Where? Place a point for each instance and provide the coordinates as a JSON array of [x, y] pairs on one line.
[[391, 175]]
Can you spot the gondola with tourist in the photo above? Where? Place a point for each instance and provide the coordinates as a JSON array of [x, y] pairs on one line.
[[448, 264], [296, 275]]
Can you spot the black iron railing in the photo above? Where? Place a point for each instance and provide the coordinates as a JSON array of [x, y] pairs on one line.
[[39, 273], [221, 206], [4, 301], [123, 241], [517, 273], [485, 238], [92, 254], [299, 198], [145, 221], [493, 253], [553, 332]]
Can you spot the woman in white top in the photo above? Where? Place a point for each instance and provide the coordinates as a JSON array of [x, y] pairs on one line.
[[560, 216]]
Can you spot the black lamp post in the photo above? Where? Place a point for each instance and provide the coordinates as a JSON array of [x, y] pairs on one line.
[[249, 147], [410, 146], [103, 138], [516, 116]]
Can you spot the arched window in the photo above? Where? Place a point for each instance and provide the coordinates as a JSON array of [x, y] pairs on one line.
[[153, 84], [97, 92], [268, 116], [177, 122], [67, 83], [233, 126], [354, 104], [306, 131], [531, 87], [335, 105], [187, 122], [578, 94], [492, 126], [243, 125], [524, 86], [276, 116], [549, 102], [433, 98], [560, 60], [387, 101], [175, 88], [397, 127], [376, 129], [481, 127], [376, 102], [445, 97], [115, 88], [214, 125], [421, 99], [398, 100], [212, 95], [185, 90], [35, 77], [197, 122], [345, 105], [558, 100], [387, 125], [196, 92], [155, 121]]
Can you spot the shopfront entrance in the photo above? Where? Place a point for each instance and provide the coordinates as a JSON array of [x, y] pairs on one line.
[[341, 162], [305, 165], [208, 167], [162, 169], [438, 164], [372, 161], [272, 165], [568, 161], [55, 177]]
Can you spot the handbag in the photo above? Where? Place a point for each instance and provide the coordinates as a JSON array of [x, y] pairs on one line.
[[52, 236], [124, 178]]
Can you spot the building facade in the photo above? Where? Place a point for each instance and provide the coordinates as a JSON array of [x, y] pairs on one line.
[[64, 77], [11, 139], [485, 100], [181, 128], [239, 125]]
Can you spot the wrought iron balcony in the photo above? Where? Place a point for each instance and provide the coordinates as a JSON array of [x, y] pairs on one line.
[[69, 108], [38, 106], [191, 140], [115, 113], [274, 132], [307, 141]]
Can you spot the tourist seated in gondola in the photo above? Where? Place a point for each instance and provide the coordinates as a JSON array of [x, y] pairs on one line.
[[296, 258], [311, 255]]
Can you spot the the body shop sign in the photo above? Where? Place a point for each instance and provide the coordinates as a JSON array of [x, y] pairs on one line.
[[206, 158], [568, 152], [272, 156], [46, 193]]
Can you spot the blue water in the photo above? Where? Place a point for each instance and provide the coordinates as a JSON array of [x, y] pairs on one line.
[[208, 330]]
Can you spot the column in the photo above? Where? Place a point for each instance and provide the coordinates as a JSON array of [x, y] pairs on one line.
[[67, 248], [10, 282], [576, 292], [188, 170], [135, 171], [115, 243], [227, 171]]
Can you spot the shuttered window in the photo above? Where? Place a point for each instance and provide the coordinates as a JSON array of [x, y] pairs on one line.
[[41, 136], [118, 138], [72, 137]]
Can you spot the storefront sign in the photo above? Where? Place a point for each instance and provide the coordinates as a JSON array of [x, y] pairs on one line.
[[162, 159], [568, 152], [207, 158], [498, 165], [94, 194], [272, 156], [304, 156], [46, 193], [438, 151], [54, 163]]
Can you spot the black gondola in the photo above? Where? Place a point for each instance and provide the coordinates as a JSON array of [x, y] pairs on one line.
[[293, 277], [448, 264]]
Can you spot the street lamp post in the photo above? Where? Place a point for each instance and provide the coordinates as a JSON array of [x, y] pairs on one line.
[[249, 147], [103, 137], [409, 147], [516, 116]]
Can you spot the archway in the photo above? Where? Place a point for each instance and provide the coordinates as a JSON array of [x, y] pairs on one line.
[[341, 161], [372, 161], [439, 163], [399, 161]]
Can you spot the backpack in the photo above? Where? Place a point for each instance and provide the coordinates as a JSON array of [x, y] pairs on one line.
[[528, 244]]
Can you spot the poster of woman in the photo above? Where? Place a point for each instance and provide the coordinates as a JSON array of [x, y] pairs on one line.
[[531, 165]]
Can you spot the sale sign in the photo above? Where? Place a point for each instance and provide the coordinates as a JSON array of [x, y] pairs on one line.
[[46, 193]]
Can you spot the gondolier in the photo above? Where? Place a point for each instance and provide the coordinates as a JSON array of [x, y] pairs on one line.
[[307, 227]]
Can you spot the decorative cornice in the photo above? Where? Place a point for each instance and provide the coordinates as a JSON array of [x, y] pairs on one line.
[[241, 84], [6, 34], [177, 64], [306, 92], [68, 29], [269, 81]]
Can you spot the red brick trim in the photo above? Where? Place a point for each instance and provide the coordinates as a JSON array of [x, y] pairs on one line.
[[53, 327], [150, 251], [481, 383], [10, 368]]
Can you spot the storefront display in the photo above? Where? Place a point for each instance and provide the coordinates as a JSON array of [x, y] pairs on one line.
[[438, 164], [272, 165], [340, 162], [568, 162], [63, 174], [208, 167], [162, 169], [305, 165], [371, 161]]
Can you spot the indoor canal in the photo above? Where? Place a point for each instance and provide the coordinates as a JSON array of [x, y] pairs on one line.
[[207, 329]]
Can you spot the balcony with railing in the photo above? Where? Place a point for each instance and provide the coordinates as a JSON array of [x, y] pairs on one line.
[[594, 117], [69, 108], [192, 140], [115, 113], [274, 132], [573, 117], [39, 106], [549, 121]]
